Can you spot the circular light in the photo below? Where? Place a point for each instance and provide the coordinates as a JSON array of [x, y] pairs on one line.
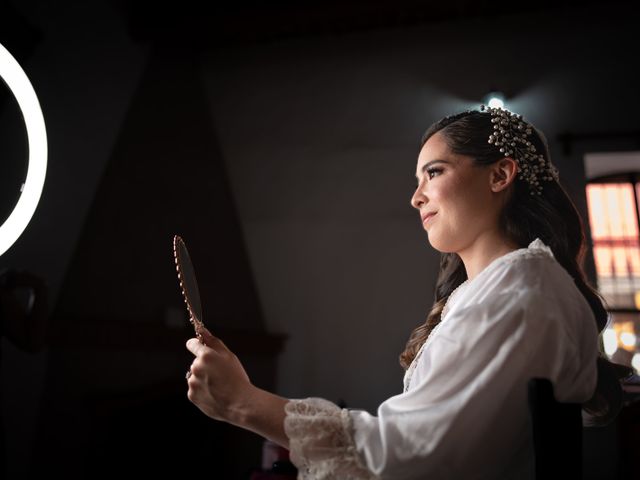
[[610, 340], [628, 339], [494, 99], [635, 362], [495, 102], [20, 87]]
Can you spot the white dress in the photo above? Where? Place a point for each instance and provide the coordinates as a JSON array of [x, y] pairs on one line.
[[464, 413]]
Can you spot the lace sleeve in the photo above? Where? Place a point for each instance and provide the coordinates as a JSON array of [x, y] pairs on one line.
[[321, 441]]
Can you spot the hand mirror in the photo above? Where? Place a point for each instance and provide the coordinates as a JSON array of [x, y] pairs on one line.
[[188, 285]]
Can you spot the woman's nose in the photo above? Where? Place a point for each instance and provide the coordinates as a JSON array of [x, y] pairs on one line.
[[418, 199]]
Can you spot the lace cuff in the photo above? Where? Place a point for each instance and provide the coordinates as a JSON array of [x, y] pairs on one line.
[[321, 441]]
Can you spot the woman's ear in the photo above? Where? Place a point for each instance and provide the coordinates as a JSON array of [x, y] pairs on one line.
[[503, 174]]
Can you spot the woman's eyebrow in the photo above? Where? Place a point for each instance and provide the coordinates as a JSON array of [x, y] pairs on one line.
[[429, 164]]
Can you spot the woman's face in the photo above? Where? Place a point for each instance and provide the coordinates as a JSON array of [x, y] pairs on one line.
[[453, 196]]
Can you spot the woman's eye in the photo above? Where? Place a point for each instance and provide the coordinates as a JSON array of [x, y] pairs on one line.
[[434, 172]]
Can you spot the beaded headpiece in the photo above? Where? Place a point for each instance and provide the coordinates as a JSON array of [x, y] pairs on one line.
[[510, 135]]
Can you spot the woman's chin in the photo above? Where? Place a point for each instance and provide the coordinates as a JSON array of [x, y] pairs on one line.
[[434, 241], [439, 244]]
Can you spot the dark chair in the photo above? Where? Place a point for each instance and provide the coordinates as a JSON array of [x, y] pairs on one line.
[[557, 433]]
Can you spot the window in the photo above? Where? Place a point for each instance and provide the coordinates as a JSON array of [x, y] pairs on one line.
[[614, 218]]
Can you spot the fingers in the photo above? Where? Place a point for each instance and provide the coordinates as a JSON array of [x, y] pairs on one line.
[[212, 341], [196, 347], [205, 341]]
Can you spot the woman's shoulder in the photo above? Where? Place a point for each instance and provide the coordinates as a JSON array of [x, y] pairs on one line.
[[531, 276], [533, 269], [536, 250], [541, 285], [534, 257]]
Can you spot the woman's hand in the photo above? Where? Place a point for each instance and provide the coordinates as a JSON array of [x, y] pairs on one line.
[[218, 384]]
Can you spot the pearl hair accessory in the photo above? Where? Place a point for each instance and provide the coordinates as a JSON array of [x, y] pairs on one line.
[[510, 134]]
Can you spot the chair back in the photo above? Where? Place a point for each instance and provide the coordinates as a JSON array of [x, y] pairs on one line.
[[557, 433]]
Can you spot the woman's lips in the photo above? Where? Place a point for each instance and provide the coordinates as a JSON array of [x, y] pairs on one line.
[[427, 217]]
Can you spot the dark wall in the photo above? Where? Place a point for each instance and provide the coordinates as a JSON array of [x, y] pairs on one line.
[[121, 294], [166, 176], [84, 69]]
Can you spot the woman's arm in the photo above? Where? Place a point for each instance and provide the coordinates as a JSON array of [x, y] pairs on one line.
[[317, 432], [220, 387]]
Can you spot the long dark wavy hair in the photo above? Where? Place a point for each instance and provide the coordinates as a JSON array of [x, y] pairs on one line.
[[551, 216]]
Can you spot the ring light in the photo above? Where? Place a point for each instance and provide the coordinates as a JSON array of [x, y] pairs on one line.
[[20, 87]]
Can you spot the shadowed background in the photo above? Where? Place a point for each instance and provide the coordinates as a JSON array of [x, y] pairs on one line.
[[280, 141]]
